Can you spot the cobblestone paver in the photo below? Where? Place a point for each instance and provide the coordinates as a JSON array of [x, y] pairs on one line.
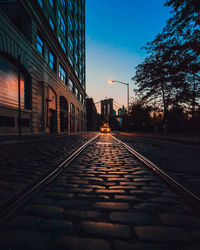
[[180, 161], [23, 163], [106, 200]]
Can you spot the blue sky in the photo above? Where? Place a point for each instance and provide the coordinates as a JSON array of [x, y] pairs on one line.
[[115, 32]]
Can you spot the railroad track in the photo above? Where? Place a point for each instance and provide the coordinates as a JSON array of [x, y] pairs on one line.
[[17, 202], [11, 207], [189, 196]]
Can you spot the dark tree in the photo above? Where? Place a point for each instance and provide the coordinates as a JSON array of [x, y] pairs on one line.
[[177, 119], [184, 27], [170, 74], [140, 117], [158, 79]]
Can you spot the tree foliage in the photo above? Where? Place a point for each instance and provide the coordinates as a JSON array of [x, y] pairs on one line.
[[140, 116], [170, 74]]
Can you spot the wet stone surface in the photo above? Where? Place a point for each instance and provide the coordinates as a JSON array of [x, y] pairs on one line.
[[106, 199]]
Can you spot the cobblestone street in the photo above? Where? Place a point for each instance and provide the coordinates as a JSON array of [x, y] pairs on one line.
[[23, 163], [180, 161], [106, 199]]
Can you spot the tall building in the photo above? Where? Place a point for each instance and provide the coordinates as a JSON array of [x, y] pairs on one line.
[[42, 44], [92, 117], [122, 111]]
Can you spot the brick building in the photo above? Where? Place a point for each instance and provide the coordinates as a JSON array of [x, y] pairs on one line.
[[42, 43]]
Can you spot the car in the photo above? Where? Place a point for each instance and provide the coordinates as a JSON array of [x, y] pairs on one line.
[[105, 128]]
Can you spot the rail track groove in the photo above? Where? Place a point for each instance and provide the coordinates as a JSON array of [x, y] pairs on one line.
[[190, 197], [10, 207]]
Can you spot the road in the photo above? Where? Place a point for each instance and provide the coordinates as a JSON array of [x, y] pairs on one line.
[[25, 162], [105, 200]]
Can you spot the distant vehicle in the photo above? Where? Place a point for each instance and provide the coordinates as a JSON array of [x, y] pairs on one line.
[[105, 128]]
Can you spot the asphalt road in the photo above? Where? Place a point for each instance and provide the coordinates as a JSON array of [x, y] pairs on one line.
[[180, 161]]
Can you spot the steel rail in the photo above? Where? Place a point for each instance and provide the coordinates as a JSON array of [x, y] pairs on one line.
[[190, 197], [10, 207]]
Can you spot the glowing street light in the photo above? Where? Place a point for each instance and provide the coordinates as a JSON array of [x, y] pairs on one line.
[[127, 84]]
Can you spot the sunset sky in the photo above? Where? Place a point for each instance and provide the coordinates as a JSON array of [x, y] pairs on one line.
[[115, 32]]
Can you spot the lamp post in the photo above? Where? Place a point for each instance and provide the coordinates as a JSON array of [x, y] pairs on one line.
[[127, 84]]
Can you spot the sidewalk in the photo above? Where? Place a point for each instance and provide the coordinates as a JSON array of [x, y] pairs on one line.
[[193, 140], [10, 139]]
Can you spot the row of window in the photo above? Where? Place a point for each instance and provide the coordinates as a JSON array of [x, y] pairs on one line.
[[61, 20], [63, 77], [40, 47], [62, 26], [61, 72], [63, 3], [76, 91], [73, 56]]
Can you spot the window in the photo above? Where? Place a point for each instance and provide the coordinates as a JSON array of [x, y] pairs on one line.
[[70, 5], [61, 22], [40, 44], [75, 8], [76, 42], [62, 44], [63, 4], [72, 109], [76, 25], [62, 74], [70, 60], [51, 23], [70, 23], [81, 98], [9, 86], [76, 58], [40, 3], [76, 93], [51, 3], [71, 85], [70, 44], [51, 60]]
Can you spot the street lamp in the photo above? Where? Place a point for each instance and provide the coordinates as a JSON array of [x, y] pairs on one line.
[[127, 84]]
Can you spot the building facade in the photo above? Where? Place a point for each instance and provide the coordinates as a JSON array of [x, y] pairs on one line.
[[92, 117], [42, 61]]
